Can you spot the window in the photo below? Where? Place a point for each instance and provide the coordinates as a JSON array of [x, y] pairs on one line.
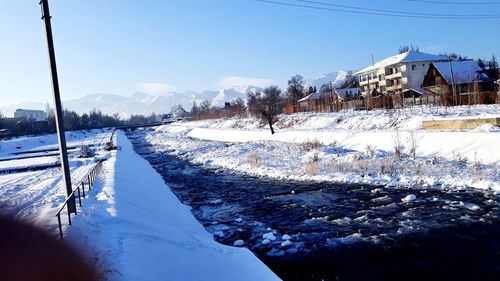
[[413, 66], [381, 77]]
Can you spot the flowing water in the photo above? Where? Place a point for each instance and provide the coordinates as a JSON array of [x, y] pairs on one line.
[[340, 231]]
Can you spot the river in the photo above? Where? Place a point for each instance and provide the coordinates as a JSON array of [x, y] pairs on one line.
[[332, 231]]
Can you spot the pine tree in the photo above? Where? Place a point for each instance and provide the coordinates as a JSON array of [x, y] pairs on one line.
[[481, 63]]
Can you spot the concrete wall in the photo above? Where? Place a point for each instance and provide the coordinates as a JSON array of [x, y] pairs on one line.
[[459, 124]]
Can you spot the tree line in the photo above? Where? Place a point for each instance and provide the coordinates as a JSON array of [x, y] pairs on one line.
[[72, 121]]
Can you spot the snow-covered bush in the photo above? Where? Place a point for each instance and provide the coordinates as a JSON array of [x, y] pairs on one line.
[[370, 151], [398, 145], [339, 166], [362, 166], [311, 168], [253, 158], [86, 152], [312, 144], [460, 160], [413, 141]]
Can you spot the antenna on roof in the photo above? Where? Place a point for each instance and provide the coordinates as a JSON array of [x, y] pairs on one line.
[[373, 61]]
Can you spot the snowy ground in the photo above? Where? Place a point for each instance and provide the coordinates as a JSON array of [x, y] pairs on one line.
[[129, 210], [356, 147], [36, 195]]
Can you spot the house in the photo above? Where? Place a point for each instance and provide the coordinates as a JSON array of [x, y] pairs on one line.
[[312, 102], [498, 90], [397, 73], [348, 94], [30, 114], [458, 82], [180, 114]]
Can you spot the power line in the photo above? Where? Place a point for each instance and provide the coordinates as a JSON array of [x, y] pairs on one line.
[[456, 3], [388, 14], [400, 12]]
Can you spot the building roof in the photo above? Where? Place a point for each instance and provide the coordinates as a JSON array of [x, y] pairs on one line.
[[341, 93], [313, 96], [464, 72], [411, 56], [413, 92], [29, 110]]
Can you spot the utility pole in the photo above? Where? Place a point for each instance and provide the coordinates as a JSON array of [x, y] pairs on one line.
[[453, 90], [63, 152]]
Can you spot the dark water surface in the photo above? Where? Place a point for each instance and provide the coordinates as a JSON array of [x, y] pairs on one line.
[[341, 231]]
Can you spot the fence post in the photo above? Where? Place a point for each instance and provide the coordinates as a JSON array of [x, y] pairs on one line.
[[79, 197], [83, 189], [60, 226]]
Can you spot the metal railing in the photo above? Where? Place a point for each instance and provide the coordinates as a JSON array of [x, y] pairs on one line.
[[79, 191]]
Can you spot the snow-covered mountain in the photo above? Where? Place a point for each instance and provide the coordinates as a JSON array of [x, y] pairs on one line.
[[336, 78], [145, 104], [142, 103]]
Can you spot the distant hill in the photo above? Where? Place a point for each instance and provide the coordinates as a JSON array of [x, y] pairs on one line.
[[336, 78], [141, 103], [145, 104]]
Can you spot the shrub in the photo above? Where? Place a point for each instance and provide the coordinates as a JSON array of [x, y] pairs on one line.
[[370, 151], [398, 146], [86, 152], [413, 145], [311, 168], [254, 159], [312, 144]]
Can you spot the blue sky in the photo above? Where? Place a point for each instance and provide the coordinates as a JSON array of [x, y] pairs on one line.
[[122, 47]]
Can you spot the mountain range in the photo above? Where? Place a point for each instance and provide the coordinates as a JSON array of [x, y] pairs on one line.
[[145, 104]]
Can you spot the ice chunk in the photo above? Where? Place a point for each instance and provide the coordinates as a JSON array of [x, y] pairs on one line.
[[266, 241], [239, 243], [219, 234], [286, 243], [269, 236], [286, 237], [216, 202], [409, 198]]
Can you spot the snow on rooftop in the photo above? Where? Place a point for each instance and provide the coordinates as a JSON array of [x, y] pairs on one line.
[[410, 56], [313, 96], [343, 92], [463, 71]]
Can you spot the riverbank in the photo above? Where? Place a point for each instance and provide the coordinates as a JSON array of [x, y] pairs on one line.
[[438, 160]]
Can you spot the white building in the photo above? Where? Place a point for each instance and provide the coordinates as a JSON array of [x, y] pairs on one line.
[[397, 73], [29, 114]]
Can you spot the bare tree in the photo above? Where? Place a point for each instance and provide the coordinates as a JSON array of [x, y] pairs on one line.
[[406, 48], [266, 105], [295, 90]]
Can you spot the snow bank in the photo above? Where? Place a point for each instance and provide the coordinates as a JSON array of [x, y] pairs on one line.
[[381, 119], [477, 145], [142, 230], [304, 150]]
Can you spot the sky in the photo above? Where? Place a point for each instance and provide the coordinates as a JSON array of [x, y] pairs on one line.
[[126, 46]]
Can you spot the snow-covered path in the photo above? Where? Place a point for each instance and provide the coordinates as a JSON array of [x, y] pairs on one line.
[[142, 231]]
